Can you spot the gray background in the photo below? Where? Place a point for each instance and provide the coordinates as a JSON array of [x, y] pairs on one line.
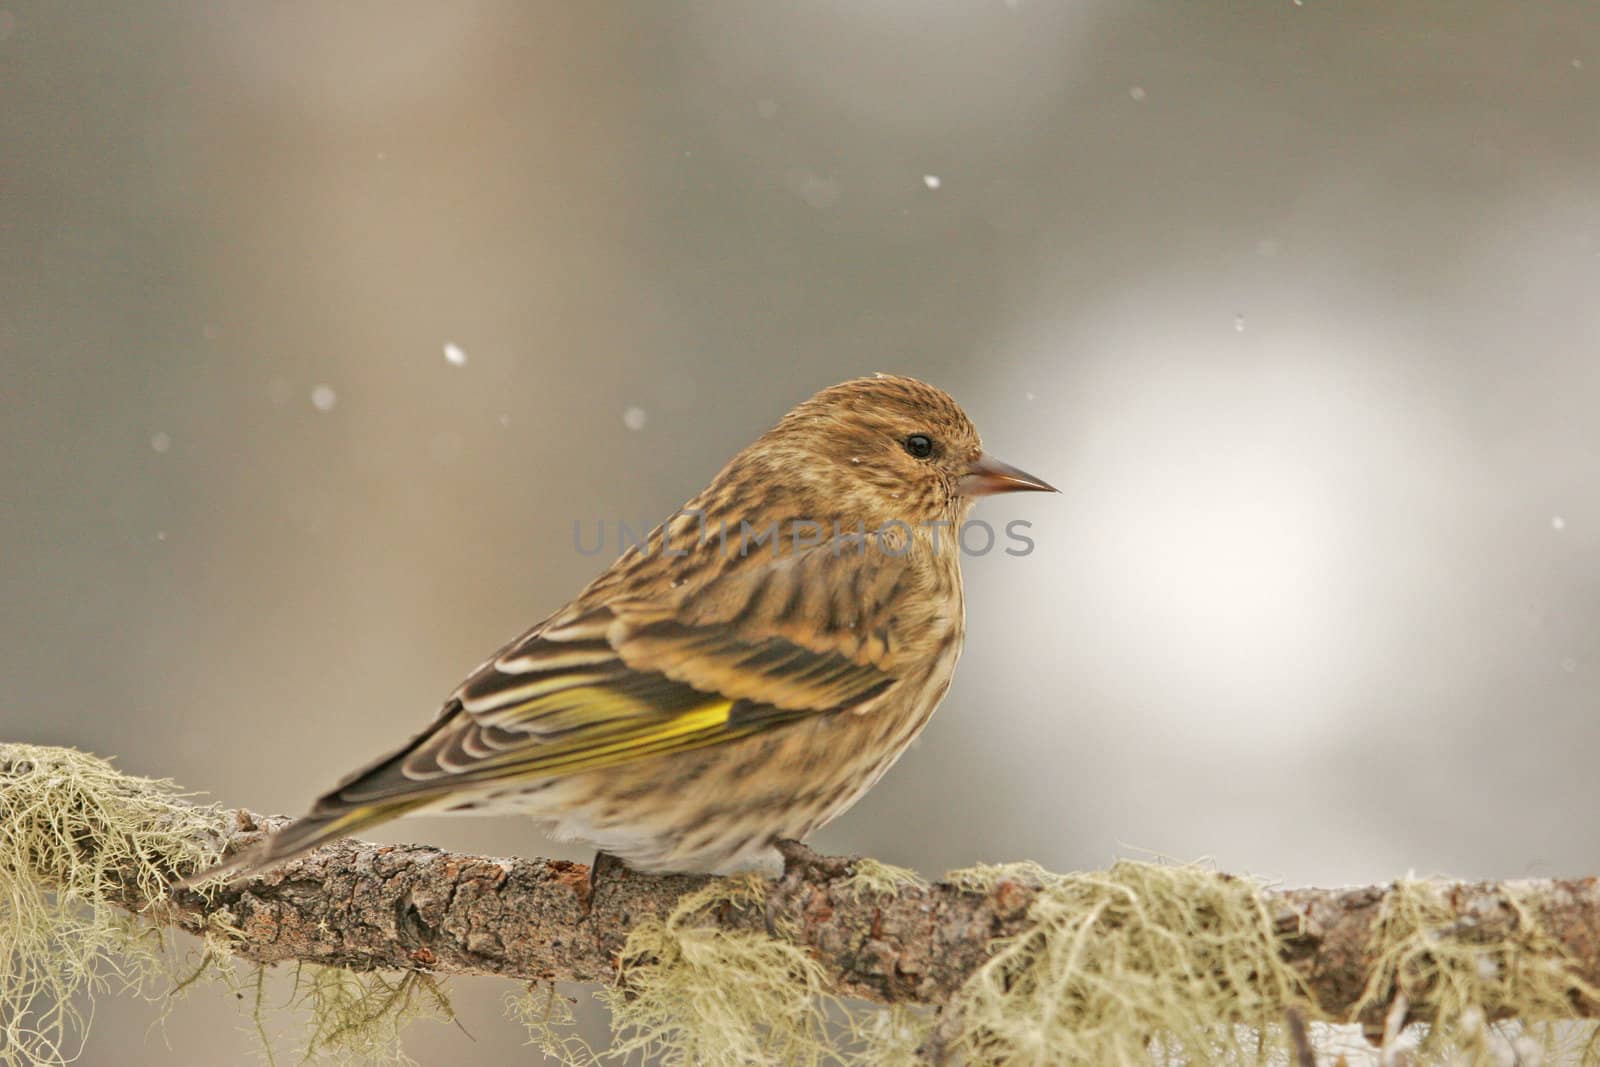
[[1296, 302]]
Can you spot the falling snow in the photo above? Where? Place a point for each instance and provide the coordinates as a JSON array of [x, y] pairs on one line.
[[1238, 324], [634, 418], [817, 190], [323, 397], [160, 442], [1557, 522], [1137, 92], [932, 181], [453, 354]]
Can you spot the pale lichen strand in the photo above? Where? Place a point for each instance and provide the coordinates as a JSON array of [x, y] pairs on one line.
[[870, 878], [690, 993], [549, 1017], [1141, 962], [359, 1018], [1144, 962], [74, 834], [78, 839], [1492, 979]]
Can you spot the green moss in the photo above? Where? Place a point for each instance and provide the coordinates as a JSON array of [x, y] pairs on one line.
[[868, 877], [358, 1018], [76, 836], [983, 877], [1443, 964], [1142, 963], [73, 832], [548, 1016], [701, 995]]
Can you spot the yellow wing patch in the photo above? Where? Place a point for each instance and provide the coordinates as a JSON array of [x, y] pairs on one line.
[[577, 705]]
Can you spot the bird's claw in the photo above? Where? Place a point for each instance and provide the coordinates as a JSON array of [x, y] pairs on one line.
[[795, 855]]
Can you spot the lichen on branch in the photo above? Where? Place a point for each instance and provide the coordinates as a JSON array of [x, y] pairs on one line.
[[838, 960]]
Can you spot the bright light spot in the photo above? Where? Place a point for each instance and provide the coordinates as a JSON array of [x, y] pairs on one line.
[[1238, 324], [932, 181], [1214, 546], [1137, 92], [454, 355], [160, 442], [323, 397], [1233, 551], [1557, 522], [161, 535], [1218, 536], [1028, 396], [634, 418]]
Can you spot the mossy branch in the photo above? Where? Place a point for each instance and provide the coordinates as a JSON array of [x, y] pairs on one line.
[[999, 949], [360, 905]]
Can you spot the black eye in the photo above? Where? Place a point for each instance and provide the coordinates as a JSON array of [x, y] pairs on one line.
[[919, 445]]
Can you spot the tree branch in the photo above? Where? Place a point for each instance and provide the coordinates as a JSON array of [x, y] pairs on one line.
[[1388, 954], [360, 906]]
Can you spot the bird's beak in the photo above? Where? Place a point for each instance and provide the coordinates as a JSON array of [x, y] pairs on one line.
[[988, 476]]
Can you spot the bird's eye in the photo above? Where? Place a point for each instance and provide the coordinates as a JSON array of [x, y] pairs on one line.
[[919, 445]]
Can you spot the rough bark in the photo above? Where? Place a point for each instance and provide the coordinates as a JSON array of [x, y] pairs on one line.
[[360, 906]]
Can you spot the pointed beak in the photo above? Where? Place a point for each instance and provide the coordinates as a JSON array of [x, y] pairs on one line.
[[988, 476]]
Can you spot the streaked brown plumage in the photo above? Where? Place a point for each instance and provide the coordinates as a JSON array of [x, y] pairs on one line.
[[706, 697]]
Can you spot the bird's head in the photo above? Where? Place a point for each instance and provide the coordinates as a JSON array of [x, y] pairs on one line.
[[889, 447]]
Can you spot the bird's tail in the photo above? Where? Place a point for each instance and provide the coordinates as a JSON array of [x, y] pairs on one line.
[[303, 835]]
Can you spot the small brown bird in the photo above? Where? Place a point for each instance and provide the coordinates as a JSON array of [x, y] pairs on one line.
[[740, 680]]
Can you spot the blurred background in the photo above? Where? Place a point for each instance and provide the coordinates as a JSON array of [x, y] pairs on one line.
[[320, 325]]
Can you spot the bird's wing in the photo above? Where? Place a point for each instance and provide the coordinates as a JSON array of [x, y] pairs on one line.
[[762, 642], [566, 701], [603, 684]]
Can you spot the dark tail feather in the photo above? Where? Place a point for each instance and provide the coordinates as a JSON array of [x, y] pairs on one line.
[[301, 837]]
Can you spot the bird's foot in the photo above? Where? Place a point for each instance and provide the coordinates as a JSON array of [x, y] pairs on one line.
[[796, 856]]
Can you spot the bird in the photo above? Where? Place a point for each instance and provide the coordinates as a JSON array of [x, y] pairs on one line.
[[715, 692]]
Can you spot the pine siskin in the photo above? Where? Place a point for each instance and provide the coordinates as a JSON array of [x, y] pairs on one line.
[[743, 678]]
